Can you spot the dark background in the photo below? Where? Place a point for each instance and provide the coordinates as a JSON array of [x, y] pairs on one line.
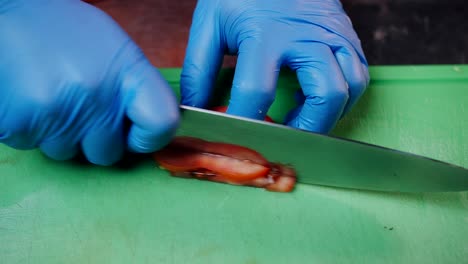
[[393, 32], [411, 31]]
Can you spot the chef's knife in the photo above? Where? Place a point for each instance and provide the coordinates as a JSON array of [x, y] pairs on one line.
[[325, 160]]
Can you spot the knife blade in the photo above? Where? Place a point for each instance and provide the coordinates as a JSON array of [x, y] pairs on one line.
[[326, 160]]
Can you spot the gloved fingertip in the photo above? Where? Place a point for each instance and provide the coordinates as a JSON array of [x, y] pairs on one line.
[[145, 141], [357, 90], [302, 118], [104, 144], [196, 87], [291, 117], [152, 112], [240, 109], [58, 150], [106, 160]]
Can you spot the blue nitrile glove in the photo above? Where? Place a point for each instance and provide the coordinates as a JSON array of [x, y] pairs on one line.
[[71, 79], [314, 38]]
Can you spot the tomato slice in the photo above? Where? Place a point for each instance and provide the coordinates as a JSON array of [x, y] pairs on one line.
[[226, 163], [223, 109], [285, 179], [234, 163], [226, 149]]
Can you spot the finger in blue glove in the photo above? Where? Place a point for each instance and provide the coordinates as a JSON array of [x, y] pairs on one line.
[[314, 38], [71, 77]]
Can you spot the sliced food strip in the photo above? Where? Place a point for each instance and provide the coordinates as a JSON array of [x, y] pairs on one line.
[[226, 163]]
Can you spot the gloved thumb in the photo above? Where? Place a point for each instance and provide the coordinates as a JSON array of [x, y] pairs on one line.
[[148, 104], [151, 108]]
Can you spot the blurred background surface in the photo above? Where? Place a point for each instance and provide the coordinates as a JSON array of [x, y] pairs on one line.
[[392, 32]]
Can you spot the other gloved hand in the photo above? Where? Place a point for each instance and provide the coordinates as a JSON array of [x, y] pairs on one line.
[[313, 38], [71, 79]]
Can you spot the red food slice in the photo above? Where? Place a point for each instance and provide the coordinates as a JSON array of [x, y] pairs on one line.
[[223, 109], [285, 181], [226, 149], [221, 162], [183, 160]]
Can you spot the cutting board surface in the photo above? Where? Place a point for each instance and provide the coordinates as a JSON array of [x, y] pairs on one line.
[[72, 212]]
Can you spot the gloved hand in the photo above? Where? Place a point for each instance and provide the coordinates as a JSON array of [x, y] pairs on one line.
[[71, 79], [314, 38]]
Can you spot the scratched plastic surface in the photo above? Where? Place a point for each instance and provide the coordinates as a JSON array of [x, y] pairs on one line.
[[70, 212]]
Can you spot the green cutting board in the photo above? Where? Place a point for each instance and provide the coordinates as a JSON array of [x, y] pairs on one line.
[[72, 212]]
